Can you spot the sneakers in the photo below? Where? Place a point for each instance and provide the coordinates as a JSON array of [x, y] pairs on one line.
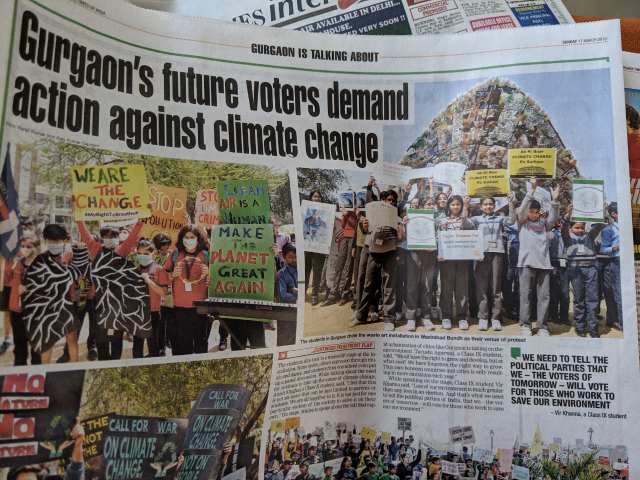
[[426, 321], [389, 326], [463, 325], [92, 355], [525, 330], [542, 332], [355, 322], [446, 324], [496, 325], [411, 325], [483, 324]]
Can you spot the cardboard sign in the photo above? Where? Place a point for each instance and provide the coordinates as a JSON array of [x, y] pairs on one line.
[[136, 447], [462, 435], [212, 421], [482, 455], [291, 423], [505, 459], [532, 162], [404, 424], [317, 226], [588, 201], [207, 212], [369, 433], [242, 263], [487, 183], [277, 426], [460, 245], [168, 212], [110, 192], [244, 201], [519, 473], [421, 229], [37, 413]]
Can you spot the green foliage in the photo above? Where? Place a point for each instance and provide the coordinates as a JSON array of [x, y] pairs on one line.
[[550, 469], [56, 158], [327, 181], [167, 390]]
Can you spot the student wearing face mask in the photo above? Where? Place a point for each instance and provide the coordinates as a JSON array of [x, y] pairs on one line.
[[29, 250], [109, 346], [189, 269], [157, 280]]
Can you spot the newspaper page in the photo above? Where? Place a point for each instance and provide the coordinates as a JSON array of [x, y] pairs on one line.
[[381, 17], [153, 242]]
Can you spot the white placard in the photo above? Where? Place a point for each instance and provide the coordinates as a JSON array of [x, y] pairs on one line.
[[421, 230], [460, 245], [317, 225]]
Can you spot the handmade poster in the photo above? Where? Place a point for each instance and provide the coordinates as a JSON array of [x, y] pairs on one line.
[[449, 173], [588, 201], [369, 433], [207, 212], [244, 201], [421, 230], [37, 413], [110, 192], [212, 422], [138, 447], [291, 423], [122, 297], [317, 226], [450, 468], [487, 183], [519, 473], [168, 212], [532, 162], [277, 426], [482, 455], [46, 309], [242, 262], [380, 215], [505, 459], [346, 199], [460, 245], [462, 435], [94, 433], [361, 199]]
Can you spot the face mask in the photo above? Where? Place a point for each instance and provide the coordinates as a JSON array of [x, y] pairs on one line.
[[110, 242], [144, 260], [25, 251], [55, 249], [190, 243]]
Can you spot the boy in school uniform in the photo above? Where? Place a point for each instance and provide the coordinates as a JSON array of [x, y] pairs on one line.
[[581, 249], [287, 276], [559, 295], [533, 258], [610, 259]]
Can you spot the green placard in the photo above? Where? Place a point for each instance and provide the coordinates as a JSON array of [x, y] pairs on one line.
[[242, 262], [244, 201]]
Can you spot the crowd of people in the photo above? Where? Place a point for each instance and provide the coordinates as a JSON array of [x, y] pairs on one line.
[[534, 256], [175, 274], [350, 457]]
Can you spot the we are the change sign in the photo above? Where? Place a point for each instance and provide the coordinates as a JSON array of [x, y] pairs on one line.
[[242, 263]]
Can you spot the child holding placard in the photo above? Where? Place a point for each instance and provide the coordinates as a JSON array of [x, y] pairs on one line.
[[488, 271], [533, 258], [454, 274], [610, 259]]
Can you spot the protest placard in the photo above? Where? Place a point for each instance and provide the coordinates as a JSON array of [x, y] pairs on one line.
[[207, 213], [404, 423], [242, 262], [460, 245], [519, 473], [588, 200], [450, 468], [37, 412], [244, 201], [421, 229], [369, 433], [277, 426], [505, 459], [347, 199], [168, 211], [317, 225], [94, 433], [110, 192], [291, 423], [487, 183], [482, 455], [532, 162], [462, 435], [212, 421]]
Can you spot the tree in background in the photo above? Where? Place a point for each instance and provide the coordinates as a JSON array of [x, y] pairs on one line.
[[327, 181]]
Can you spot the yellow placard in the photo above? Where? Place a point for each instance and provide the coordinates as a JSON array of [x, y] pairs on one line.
[[368, 433], [168, 211], [291, 423], [487, 183], [277, 426], [110, 193], [386, 438], [532, 162]]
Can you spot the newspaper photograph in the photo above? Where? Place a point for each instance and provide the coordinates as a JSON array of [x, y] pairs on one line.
[[460, 204]]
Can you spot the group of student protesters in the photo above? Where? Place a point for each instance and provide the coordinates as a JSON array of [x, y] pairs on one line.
[[176, 275], [395, 459], [533, 258]]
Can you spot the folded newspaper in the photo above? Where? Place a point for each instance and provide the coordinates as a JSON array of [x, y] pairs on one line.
[[460, 204]]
